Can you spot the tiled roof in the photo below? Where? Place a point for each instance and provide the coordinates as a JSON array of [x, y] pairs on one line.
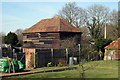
[[114, 45], [56, 24]]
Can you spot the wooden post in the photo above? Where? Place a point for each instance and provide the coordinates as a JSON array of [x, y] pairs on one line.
[[66, 55], [21, 49], [13, 66], [79, 52], [88, 57], [16, 56], [13, 53], [34, 60], [8, 64], [52, 54]]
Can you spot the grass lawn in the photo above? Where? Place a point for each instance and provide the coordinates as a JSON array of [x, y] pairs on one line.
[[103, 69], [49, 68]]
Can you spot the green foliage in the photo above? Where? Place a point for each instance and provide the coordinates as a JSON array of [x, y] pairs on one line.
[[100, 52], [18, 45], [94, 30], [11, 38], [5, 40], [93, 55], [101, 43]]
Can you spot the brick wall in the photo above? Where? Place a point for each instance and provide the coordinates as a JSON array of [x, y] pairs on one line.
[[28, 52], [115, 53]]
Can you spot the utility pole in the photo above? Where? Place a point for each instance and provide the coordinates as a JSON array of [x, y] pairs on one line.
[[105, 26]]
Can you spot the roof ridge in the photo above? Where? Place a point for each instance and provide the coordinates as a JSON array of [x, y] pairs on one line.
[[57, 24], [59, 17], [112, 44]]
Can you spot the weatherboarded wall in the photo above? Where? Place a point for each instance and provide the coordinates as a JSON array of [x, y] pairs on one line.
[[41, 40]]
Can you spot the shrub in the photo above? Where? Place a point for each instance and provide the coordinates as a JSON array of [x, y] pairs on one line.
[[59, 65]]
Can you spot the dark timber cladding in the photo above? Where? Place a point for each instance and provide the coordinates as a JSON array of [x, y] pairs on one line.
[[41, 40], [47, 33]]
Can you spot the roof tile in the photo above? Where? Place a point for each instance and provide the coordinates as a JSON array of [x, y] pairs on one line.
[[55, 24], [114, 45]]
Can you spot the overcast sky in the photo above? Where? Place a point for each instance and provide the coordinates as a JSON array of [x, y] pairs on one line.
[[22, 15]]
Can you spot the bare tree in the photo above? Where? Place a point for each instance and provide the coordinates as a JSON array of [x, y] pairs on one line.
[[83, 67], [85, 31], [2, 35], [71, 44], [113, 29], [95, 20], [113, 17], [73, 14], [19, 34]]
